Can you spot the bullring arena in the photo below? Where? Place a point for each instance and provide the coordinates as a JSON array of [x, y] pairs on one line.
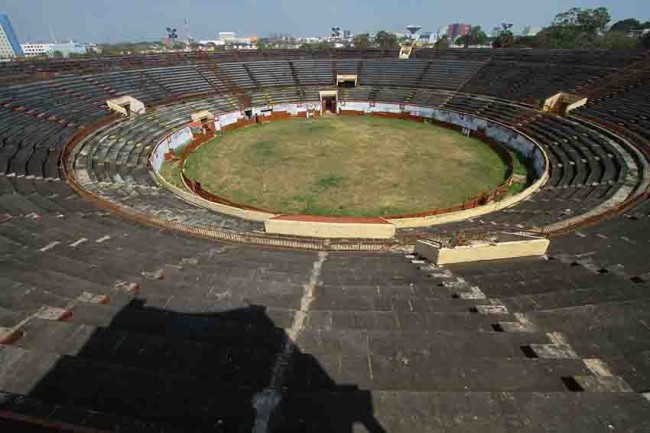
[[305, 241]]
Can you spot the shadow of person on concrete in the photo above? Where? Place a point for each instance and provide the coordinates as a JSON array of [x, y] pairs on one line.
[[232, 371]]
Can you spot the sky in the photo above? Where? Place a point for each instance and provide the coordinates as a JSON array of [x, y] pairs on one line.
[[102, 21]]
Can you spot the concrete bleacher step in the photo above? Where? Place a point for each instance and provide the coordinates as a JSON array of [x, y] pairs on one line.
[[23, 298], [395, 302], [6, 186], [403, 320], [25, 413], [575, 298], [140, 356], [455, 344], [58, 261], [18, 205], [62, 283], [388, 374], [56, 336], [305, 411], [9, 245], [10, 317]]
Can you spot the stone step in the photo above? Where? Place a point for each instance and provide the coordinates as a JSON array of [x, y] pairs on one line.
[[409, 303], [377, 411], [404, 320], [215, 370], [54, 336]]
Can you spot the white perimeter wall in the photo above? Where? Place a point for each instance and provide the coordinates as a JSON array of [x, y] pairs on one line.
[[506, 136], [174, 140], [293, 109], [227, 118]]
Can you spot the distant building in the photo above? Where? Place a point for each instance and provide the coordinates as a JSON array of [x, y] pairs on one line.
[[442, 32], [48, 49], [496, 31], [457, 30], [347, 34], [9, 45], [428, 38], [230, 39], [34, 50], [67, 48], [226, 36]]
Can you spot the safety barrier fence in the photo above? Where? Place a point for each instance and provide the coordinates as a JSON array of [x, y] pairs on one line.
[[401, 243], [473, 202]]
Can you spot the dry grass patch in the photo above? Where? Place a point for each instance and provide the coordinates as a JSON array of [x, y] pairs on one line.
[[346, 166]]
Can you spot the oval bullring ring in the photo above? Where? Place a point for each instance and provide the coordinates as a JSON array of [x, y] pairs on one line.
[[346, 166], [292, 175], [385, 166]]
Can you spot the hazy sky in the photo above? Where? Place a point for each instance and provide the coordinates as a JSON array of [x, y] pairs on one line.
[[120, 20]]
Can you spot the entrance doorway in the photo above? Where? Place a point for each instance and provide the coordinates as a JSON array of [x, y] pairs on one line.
[[328, 100], [329, 104], [208, 125]]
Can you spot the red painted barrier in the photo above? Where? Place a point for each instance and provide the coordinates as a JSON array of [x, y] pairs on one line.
[[478, 200]]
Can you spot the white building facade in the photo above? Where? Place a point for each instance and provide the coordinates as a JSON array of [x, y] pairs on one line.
[[48, 49]]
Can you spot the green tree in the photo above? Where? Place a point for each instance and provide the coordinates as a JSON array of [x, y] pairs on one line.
[[442, 43], [57, 54], [575, 28], [386, 40], [526, 42], [587, 41], [323, 45], [625, 26], [619, 41], [505, 40], [362, 41], [556, 37], [475, 36], [588, 20], [585, 29]]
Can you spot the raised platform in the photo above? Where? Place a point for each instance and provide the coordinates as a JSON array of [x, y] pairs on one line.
[[479, 251], [330, 227]]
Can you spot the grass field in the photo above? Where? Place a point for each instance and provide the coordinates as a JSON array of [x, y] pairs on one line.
[[353, 166]]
